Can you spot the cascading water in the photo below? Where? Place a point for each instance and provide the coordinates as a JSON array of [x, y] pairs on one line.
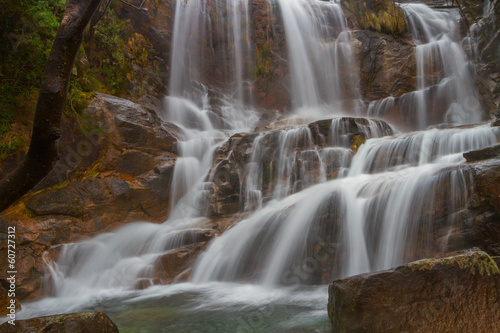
[[323, 74], [377, 214], [327, 200], [445, 76]]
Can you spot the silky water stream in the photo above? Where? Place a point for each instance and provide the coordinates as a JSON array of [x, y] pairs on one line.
[[313, 212]]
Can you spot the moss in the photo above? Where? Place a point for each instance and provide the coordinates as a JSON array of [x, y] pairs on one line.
[[379, 15], [263, 60], [475, 261], [356, 141], [20, 211]]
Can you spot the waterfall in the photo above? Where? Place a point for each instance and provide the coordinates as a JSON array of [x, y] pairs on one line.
[[116, 261], [378, 214], [337, 197], [323, 74], [445, 75]]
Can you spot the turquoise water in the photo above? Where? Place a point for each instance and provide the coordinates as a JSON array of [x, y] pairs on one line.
[[215, 307]]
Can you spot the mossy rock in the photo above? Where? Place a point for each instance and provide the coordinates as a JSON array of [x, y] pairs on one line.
[[457, 293], [475, 261], [379, 15]]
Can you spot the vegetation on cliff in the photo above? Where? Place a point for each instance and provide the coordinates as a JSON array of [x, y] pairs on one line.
[[379, 15], [105, 63]]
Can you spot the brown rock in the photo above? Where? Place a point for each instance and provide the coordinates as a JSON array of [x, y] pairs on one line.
[[483, 154], [271, 70], [387, 64], [6, 301], [174, 265], [454, 294], [84, 322], [485, 205]]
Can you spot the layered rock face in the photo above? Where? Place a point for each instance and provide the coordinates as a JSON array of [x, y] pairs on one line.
[[115, 167], [451, 294], [285, 160]]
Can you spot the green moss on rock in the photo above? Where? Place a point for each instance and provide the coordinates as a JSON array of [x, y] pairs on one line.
[[379, 15], [475, 261]]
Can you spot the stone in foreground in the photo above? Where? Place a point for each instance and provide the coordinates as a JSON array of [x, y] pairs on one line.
[[460, 293], [84, 322]]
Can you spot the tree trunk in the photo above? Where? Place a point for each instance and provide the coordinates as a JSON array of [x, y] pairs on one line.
[[42, 152]]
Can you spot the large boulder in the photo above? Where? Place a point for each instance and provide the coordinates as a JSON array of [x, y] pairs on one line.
[[460, 293], [85, 322]]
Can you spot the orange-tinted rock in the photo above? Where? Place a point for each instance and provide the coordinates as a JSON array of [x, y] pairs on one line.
[[85, 322], [7, 302], [454, 294], [172, 266]]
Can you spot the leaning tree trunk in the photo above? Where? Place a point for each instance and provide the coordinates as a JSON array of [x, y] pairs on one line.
[[42, 152]]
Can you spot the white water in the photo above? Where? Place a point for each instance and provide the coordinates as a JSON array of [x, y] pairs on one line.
[[392, 203], [323, 73], [445, 75], [319, 211]]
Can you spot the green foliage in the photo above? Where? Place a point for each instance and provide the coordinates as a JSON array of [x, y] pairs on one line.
[[104, 62], [8, 147], [379, 15], [79, 99], [28, 28]]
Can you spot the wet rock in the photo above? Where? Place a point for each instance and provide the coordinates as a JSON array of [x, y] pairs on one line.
[[175, 264], [228, 192], [135, 163], [483, 154], [387, 64], [339, 132], [172, 266], [272, 90], [484, 205], [452, 294], [84, 322], [482, 20]]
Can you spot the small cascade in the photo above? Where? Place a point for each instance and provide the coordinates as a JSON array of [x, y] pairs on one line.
[[299, 162], [420, 148], [445, 75], [323, 74], [116, 261], [377, 220], [197, 63]]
